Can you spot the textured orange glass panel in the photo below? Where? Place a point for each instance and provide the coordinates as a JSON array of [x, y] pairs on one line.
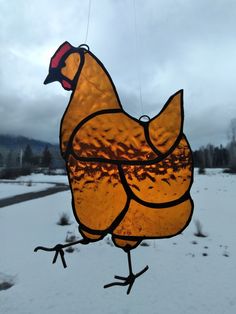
[[71, 65], [100, 189], [125, 243], [147, 222], [98, 194], [165, 128], [91, 236], [93, 92], [112, 136], [164, 181]]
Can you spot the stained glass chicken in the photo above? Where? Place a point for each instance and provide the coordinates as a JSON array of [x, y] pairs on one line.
[[129, 178]]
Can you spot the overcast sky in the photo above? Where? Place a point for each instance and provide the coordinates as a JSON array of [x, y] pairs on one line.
[[189, 44]]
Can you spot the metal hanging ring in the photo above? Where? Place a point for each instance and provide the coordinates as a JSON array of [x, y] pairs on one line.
[[86, 47], [146, 117]]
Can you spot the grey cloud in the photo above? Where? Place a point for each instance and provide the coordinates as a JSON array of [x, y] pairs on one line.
[[181, 44]]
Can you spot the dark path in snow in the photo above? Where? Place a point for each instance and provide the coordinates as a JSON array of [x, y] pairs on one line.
[[59, 187]]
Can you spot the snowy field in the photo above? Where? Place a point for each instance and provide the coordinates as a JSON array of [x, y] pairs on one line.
[[40, 177], [31, 183], [17, 188], [187, 274]]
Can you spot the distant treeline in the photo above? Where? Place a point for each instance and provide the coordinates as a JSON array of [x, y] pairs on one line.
[[19, 152], [26, 158], [216, 157], [25, 161], [209, 156]]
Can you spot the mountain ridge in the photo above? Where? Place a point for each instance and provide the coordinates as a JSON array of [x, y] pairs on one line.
[[18, 141], [15, 143]]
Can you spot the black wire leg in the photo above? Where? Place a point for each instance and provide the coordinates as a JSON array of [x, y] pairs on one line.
[[127, 281], [59, 250]]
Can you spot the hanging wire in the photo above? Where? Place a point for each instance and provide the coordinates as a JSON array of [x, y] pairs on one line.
[[137, 56], [88, 21]]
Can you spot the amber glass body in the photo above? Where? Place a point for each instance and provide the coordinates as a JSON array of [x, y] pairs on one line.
[[128, 178]]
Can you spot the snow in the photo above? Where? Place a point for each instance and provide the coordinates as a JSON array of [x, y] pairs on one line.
[[17, 188], [40, 177], [180, 279], [31, 183]]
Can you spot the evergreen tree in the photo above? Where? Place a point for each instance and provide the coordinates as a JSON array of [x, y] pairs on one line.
[[46, 158], [1, 160], [10, 159], [225, 157], [232, 155], [232, 145], [28, 155]]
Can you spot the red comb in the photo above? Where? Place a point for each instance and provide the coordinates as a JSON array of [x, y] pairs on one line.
[[59, 54]]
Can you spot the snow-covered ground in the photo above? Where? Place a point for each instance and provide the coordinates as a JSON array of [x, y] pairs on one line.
[[17, 188], [187, 274], [40, 177], [31, 183]]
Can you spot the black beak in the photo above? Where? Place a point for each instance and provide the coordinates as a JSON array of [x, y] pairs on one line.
[[53, 75], [50, 78]]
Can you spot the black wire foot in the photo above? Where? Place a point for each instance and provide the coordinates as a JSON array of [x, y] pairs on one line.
[[59, 250], [128, 281]]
